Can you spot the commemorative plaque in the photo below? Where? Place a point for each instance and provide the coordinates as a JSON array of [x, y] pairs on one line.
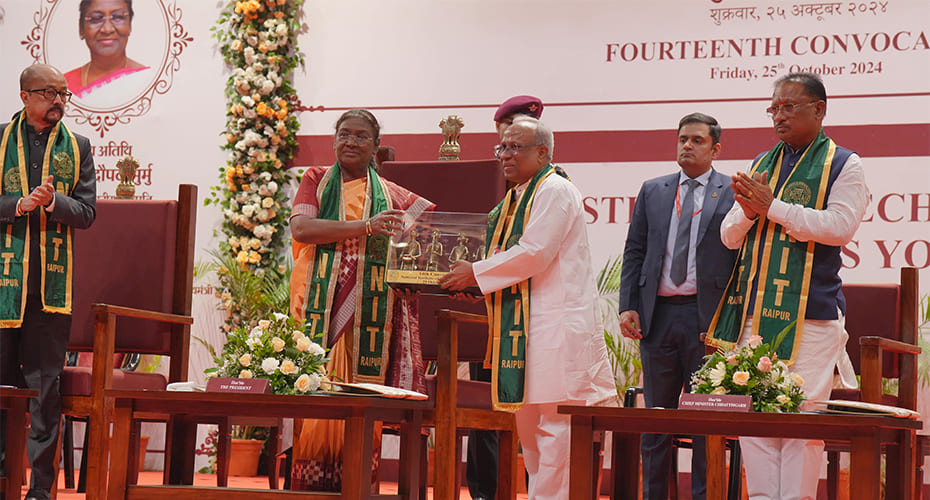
[[429, 245]]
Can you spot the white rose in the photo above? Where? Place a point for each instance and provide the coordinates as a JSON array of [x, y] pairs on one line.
[[270, 365], [782, 399], [719, 390], [316, 349], [277, 343], [248, 210], [267, 202], [315, 380], [797, 379], [278, 316], [303, 344]]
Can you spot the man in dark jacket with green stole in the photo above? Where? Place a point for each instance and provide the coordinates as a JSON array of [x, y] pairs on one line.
[[47, 190], [801, 202]]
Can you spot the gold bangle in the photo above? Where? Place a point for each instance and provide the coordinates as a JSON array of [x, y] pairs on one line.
[[19, 206], [368, 226]]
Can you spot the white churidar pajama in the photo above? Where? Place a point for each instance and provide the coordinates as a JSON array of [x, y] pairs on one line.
[[566, 357]]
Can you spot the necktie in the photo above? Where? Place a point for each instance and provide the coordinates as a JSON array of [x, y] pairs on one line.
[[683, 236]]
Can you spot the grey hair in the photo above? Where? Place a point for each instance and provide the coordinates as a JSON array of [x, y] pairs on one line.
[[544, 135]]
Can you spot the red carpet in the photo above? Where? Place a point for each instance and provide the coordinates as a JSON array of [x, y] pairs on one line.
[[153, 477]]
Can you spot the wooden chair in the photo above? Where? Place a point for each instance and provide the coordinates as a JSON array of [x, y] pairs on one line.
[[134, 264], [449, 337], [881, 320]]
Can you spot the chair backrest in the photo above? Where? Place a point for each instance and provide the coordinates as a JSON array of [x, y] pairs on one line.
[[140, 254], [873, 310], [454, 186]]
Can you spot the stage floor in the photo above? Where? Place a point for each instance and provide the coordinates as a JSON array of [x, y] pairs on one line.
[[261, 482]]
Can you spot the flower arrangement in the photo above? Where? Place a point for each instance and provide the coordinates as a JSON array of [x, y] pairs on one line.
[[277, 350], [752, 370], [258, 40]]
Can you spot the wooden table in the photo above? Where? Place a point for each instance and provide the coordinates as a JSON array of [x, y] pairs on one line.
[[359, 414], [14, 402], [865, 434]]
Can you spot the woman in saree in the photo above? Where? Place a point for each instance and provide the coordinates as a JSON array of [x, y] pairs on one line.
[[105, 26], [342, 219]]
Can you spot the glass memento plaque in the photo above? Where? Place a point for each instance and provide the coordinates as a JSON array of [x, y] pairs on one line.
[[429, 246]]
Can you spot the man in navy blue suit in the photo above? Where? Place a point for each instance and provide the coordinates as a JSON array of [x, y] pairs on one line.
[[675, 270]]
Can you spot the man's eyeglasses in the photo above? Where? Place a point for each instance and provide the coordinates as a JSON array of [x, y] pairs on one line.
[[118, 20], [51, 94], [501, 149], [355, 138], [786, 109]]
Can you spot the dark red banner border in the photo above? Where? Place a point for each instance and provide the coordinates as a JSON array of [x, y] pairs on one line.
[[610, 146]]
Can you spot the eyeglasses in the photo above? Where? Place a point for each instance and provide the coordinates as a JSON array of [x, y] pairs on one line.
[[51, 94], [118, 20], [786, 109], [355, 138], [501, 149]]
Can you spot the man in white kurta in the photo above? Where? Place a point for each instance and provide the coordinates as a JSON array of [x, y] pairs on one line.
[[789, 469], [566, 357]]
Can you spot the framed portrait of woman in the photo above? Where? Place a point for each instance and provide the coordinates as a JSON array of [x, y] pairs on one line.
[[115, 54]]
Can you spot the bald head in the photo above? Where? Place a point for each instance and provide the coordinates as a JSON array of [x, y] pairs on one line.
[[38, 73]]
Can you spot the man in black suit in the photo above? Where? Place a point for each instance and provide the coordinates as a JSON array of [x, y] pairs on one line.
[[675, 270], [47, 190]]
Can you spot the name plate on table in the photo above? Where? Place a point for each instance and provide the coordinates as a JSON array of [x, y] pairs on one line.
[[239, 385], [429, 246], [715, 402]]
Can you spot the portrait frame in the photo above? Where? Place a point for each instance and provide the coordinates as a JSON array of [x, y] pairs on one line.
[[164, 41]]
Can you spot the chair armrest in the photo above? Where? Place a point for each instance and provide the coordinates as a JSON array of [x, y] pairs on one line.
[[142, 313], [886, 344], [463, 317], [871, 367]]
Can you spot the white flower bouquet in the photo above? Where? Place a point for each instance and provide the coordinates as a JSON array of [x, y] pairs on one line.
[[277, 350], [752, 370]]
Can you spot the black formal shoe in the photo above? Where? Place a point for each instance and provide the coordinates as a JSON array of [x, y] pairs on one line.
[[38, 495]]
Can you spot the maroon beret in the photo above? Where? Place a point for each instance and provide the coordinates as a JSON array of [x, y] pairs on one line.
[[521, 104]]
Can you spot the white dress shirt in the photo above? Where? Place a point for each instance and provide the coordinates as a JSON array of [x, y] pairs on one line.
[[835, 226], [668, 287]]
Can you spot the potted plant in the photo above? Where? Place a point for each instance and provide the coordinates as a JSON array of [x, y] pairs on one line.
[[622, 351]]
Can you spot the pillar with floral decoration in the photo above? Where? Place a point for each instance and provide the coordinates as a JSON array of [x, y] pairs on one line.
[[258, 41]]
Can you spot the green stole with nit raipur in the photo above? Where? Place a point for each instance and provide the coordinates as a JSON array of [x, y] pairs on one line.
[[782, 264], [372, 325], [509, 309], [61, 161]]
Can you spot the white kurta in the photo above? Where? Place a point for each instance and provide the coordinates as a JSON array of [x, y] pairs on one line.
[[566, 357]]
